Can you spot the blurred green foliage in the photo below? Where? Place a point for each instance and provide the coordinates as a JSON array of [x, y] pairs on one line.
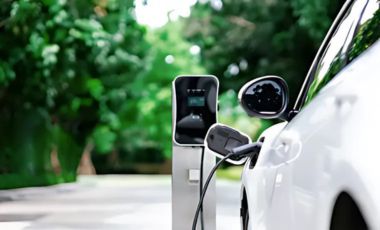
[[169, 57], [147, 118], [241, 40], [71, 61], [315, 16], [75, 74]]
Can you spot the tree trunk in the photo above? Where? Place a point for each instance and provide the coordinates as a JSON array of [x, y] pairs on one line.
[[86, 167]]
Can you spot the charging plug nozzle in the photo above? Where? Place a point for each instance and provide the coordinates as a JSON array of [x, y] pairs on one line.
[[246, 150]]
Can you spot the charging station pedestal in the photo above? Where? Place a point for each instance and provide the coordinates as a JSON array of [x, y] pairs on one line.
[[194, 106]]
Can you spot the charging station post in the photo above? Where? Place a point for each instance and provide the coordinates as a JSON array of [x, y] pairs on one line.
[[194, 108]]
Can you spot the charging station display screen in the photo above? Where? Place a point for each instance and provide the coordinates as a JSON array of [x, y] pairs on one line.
[[196, 101], [196, 105]]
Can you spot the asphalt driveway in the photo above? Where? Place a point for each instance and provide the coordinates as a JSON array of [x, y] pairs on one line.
[[106, 202]]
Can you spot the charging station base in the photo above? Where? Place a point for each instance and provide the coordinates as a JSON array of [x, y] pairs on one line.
[[185, 188]]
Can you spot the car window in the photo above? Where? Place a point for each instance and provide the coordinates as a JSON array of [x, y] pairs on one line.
[[360, 36], [368, 31], [338, 51]]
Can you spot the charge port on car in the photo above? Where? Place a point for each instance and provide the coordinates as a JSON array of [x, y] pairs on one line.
[[254, 158]]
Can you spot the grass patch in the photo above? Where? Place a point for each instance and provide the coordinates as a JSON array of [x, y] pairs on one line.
[[230, 173]]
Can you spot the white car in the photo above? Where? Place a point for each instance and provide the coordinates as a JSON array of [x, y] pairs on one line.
[[320, 168]]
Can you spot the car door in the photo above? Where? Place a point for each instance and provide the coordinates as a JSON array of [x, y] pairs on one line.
[[303, 149]]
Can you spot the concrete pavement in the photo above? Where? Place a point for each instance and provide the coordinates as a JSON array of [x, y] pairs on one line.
[[128, 202]]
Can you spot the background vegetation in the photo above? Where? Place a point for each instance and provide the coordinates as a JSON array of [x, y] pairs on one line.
[[84, 77]]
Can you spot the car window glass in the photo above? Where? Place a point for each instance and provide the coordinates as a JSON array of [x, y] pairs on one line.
[[335, 55], [368, 31]]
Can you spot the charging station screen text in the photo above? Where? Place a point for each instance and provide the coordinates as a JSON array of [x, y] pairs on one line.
[[196, 101]]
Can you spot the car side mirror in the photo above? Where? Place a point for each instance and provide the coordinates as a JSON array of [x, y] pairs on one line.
[[221, 139], [266, 97]]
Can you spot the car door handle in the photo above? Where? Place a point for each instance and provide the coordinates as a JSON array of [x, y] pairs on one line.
[[345, 98], [344, 102]]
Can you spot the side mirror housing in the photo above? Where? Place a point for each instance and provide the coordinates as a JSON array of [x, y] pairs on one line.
[[221, 139], [266, 97]]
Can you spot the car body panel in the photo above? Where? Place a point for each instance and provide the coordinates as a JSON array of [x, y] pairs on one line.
[[330, 147], [259, 181]]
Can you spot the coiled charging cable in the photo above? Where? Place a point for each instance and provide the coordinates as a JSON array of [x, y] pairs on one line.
[[238, 152]]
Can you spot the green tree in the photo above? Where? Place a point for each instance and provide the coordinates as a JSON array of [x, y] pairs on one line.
[[70, 64], [171, 57], [241, 40], [146, 118]]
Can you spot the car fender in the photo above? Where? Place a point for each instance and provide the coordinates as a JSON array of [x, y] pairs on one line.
[[257, 181]]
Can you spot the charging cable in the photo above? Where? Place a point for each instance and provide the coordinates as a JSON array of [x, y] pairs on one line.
[[201, 186], [238, 152]]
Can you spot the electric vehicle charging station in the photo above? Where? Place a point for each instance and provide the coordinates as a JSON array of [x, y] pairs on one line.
[[194, 108]]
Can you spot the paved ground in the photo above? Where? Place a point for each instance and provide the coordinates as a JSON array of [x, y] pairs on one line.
[[106, 202]]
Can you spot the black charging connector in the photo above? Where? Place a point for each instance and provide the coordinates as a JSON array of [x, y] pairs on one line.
[[246, 150], [240, 152]]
